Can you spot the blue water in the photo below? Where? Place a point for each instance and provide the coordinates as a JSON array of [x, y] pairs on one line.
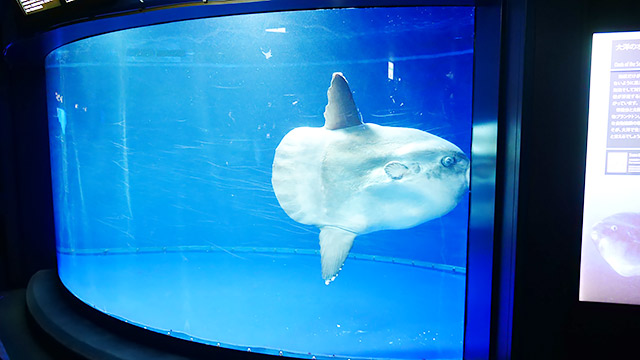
[[162, 143]]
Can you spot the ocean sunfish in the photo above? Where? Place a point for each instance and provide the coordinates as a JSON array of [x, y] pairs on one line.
[[617, 238], [350, 178]]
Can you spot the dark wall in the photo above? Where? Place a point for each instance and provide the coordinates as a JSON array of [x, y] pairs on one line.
[[553, 140], [6, 179], [26, 219], [548, 320]]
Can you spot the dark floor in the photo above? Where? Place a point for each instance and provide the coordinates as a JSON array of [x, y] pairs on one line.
[[45, 322], [15, 335]]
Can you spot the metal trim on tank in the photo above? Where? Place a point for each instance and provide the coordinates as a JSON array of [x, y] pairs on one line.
[[40, 46], [482, 202]]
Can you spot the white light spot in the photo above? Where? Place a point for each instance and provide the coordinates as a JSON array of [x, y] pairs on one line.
[[267, 54], [390, 70], [280, 30]]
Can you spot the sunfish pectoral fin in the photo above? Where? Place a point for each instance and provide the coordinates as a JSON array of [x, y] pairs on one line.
[[335, 245], [396, 170], [341, 111]]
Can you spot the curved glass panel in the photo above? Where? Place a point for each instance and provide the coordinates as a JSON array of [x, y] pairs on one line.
[[206, 187]]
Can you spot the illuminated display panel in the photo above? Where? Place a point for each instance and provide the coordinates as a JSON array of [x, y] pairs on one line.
[[33, 6], [610, 265]]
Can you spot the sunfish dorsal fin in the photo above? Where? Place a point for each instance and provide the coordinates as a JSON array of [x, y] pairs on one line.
[[341, 111], [335, 245]]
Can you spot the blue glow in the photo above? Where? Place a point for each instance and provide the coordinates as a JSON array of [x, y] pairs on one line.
[[6, 49], [162, 144]]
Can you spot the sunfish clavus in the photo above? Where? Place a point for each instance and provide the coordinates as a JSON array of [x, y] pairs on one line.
[[350, 178]]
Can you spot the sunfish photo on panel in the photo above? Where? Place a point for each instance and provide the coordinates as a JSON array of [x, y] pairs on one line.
[[289, 183]]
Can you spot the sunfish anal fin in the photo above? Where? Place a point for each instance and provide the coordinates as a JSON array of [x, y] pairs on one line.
[[335, 245], [341, 111]]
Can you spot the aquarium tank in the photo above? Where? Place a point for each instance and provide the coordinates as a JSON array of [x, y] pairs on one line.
[[292, 183]]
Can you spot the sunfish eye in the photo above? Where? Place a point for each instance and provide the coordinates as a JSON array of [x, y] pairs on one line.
[[448, 161], [614, 228]]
